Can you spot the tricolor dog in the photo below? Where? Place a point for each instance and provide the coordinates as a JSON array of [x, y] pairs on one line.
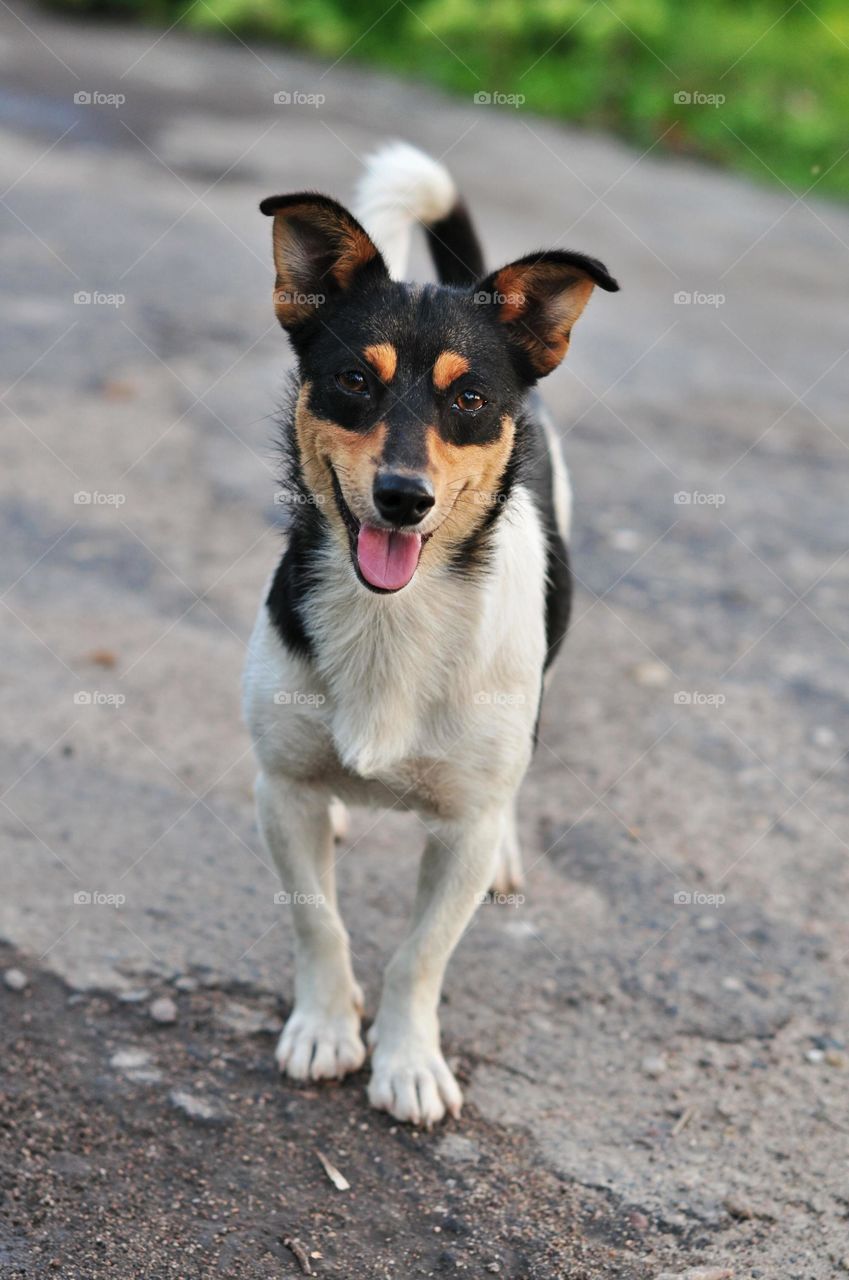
[[399, 653]]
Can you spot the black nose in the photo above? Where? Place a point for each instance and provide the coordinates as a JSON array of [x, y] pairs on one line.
[[403, 499]]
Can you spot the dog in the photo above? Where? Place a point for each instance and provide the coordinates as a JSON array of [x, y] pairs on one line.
[[399, 653]]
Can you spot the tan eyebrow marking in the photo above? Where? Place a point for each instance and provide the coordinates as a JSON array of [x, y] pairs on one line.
[[383, 358], [449, 366]]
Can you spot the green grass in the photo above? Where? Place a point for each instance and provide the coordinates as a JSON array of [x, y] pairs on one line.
[[617, 65]]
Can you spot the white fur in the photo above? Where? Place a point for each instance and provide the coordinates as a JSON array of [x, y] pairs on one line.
[[426, 698], [400, 187]]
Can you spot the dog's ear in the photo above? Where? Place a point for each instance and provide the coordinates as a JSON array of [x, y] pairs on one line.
[[320, 251], [537, 300]]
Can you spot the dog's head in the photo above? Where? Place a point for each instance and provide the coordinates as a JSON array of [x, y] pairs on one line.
[[405, 423]]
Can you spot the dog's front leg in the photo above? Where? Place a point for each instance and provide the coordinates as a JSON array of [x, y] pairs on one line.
[[321, 1039], [410, 1077]]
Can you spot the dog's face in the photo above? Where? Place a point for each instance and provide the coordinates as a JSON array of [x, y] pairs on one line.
[[406, 419]]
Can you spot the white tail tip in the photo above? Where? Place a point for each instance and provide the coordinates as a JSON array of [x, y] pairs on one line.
[[401, 186]]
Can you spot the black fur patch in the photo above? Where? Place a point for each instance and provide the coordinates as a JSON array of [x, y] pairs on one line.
[[307, 532], [539, 476], [455, 248]]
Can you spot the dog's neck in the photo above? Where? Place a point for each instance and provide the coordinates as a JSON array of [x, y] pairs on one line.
[[389, 661]]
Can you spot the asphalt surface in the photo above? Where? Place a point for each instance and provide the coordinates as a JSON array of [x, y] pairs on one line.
[[663, 1020]]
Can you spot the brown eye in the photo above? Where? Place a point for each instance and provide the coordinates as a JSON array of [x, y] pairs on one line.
[[352, 381], [469, 401]]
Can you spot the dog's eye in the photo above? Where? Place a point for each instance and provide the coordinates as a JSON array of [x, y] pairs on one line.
[[352, 381], [469, 402]]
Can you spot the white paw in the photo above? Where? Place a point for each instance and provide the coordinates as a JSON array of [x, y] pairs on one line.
[[316, 1045], [413, 1083]]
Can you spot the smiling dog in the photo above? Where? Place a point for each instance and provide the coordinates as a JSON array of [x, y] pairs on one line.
[[399, 654]]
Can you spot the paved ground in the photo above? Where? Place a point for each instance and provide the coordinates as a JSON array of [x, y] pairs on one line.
[[660, 1028]]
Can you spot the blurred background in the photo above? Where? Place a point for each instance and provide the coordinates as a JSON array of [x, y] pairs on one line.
[[659, 1029], [777, 69]]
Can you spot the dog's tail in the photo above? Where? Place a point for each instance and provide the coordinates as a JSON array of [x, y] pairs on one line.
[[402, 186]]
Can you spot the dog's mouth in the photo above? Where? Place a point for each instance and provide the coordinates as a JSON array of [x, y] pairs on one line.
[[385, 560]]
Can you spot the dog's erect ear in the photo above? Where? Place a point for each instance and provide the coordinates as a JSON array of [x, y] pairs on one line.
[[538, 299], [320, 250]]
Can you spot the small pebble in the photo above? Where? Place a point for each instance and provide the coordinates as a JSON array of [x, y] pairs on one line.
[[653, 675], [654, 1065], [129, 1059], [835, 1058], [163, 1010], [196, 1108], [738, 1208], [185, 983], [455, 1148], [15, 980], [137, 996], [698, 1273], [732, 984], [814, 1055]]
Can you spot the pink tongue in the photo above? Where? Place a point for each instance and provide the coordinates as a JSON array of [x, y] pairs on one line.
[[387, 559]]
